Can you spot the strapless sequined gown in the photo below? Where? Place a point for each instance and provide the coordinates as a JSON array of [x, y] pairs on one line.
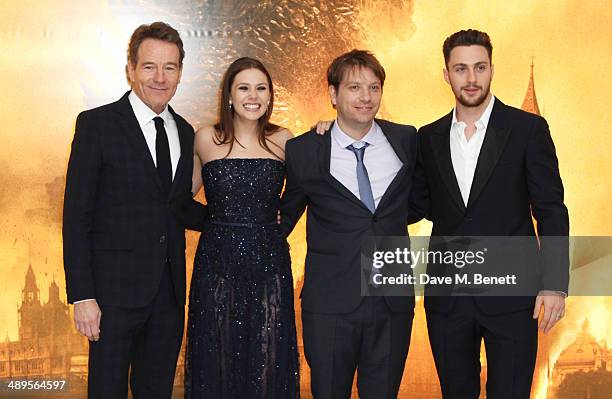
[[241, 339]]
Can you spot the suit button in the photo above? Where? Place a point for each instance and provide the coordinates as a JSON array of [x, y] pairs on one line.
[[375, 219], [162, 239], [468, 219]]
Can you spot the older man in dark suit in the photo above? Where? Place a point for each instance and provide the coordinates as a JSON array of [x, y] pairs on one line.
[[124, 252]]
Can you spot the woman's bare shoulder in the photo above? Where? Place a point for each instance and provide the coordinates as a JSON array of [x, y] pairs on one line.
[[205, 133], [207, 145], [281, 136]]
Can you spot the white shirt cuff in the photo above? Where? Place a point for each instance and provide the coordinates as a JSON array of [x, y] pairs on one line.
[[83, 300]]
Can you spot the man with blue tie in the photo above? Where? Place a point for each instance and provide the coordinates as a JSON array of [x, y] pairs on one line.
[[358, 180]]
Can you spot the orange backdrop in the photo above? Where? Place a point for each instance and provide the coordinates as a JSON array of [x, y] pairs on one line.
[[60, 57]]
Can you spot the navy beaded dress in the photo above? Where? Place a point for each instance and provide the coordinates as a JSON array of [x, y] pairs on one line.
[[241, 339]]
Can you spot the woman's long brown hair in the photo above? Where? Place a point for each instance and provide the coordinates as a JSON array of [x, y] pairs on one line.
[[224, 128]]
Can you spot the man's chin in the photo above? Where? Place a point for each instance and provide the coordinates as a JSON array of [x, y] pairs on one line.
[[365, 119], [472, 102]]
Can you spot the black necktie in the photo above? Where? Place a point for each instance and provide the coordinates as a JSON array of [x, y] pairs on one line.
[[162, 152]]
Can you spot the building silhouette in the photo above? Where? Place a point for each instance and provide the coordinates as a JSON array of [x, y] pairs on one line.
[[584, 354], [530, 102], [48, 346]]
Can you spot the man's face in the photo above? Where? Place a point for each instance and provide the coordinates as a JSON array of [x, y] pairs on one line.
[[156, 74], [358, 97], [469, 73]]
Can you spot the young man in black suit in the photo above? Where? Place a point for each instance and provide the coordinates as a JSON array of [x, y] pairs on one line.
[[356, 180], [124, 251], [490, 168]]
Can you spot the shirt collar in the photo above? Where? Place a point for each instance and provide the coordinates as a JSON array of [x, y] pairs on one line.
[[344, 140], [143, 113], [483, 121]]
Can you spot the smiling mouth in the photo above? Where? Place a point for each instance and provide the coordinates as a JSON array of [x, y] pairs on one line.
[[252, 107]]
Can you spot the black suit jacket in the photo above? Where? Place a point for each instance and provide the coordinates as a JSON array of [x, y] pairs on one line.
[[119, 230], [516, 176], [338, 223]]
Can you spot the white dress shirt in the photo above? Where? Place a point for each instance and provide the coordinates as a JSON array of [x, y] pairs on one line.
[[145, 116], [379, 159], [464, 153]]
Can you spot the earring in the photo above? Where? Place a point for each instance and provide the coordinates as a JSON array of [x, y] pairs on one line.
[[230, 104]]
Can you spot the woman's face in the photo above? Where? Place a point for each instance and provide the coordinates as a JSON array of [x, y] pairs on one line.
[[250, 94]]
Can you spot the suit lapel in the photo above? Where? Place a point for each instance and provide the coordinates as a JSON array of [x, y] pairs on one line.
[[492, 148], [394, 139], [440, 142], [136, 138], [324, 164]]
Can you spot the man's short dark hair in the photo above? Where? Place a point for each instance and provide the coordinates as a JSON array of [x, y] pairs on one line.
[[350, 60], [156, 30], [469, 37]]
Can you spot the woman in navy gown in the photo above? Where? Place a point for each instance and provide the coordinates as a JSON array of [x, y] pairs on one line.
[[241, 339]]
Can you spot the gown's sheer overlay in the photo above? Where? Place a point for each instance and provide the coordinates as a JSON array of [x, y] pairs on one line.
[[241, 340]]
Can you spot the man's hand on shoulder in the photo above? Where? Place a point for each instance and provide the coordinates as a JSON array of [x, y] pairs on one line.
[[323, 126], [87, 317]]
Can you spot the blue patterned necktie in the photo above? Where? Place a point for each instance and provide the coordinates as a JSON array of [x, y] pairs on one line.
[[365, 194], [363, 181]]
